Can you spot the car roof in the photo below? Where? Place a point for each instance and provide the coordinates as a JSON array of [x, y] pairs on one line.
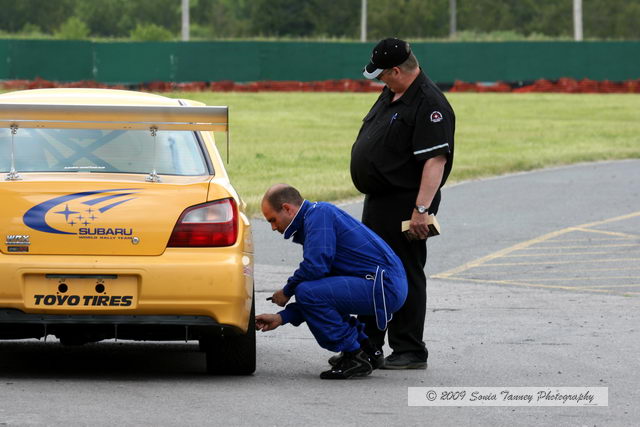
[[77, 96]]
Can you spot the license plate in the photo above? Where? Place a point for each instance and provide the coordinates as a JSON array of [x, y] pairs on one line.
[[80, 291]]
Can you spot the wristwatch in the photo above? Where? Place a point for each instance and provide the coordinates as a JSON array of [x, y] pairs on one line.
[[421, 209]]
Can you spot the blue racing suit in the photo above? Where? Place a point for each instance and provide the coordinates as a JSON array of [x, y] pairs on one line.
[[347, 269]]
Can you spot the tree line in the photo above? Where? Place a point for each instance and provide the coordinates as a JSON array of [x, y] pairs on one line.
[[317, 19]]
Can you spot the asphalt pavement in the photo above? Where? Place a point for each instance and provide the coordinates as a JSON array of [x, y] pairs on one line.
[[534, 282]]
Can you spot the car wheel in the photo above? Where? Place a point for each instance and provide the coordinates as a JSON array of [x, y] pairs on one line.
[[232, 355]]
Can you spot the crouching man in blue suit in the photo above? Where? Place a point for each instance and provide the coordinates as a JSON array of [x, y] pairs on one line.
[[347, 270]]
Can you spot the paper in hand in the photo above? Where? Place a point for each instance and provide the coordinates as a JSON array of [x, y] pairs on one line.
[[432, 222]]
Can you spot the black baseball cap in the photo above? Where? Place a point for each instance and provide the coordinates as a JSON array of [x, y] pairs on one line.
[[388, 53]]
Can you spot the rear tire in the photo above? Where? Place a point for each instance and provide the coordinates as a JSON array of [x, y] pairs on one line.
[[232, 355]]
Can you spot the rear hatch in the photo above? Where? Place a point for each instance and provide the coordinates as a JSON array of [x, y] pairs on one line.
[[100, 179], [87, 216]]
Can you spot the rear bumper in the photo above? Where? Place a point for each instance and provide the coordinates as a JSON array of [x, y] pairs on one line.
[[19, 317], [179, 288], [16, 324]]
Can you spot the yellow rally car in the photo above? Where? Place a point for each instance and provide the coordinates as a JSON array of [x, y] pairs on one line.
[[119, 221]]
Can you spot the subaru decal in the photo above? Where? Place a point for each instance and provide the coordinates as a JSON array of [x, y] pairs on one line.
[[82, 212]]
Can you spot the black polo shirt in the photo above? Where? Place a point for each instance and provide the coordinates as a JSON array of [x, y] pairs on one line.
[[396, 138]]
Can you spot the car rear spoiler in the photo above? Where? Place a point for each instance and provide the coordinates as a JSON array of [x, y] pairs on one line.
[[60, 116], [152, 118]]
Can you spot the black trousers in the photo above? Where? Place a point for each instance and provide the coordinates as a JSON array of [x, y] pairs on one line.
[[384, 215]]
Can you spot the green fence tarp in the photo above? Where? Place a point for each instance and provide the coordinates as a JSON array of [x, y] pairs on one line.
[[245, 61], [56, 60]]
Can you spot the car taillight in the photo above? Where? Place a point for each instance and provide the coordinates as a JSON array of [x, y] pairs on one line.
[[208, 225]]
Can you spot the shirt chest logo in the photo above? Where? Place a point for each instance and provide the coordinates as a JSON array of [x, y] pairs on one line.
[[436, 117]]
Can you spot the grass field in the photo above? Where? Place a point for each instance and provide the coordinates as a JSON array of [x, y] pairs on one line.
[[305, 138]]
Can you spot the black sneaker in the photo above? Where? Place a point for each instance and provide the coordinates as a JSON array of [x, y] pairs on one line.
[[376, 359], [404, 361], [351, 364]]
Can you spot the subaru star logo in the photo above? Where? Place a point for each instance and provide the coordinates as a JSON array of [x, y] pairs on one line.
[[78, 213]]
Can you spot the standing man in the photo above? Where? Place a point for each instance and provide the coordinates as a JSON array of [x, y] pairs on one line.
[[400, 160], [347, 269]]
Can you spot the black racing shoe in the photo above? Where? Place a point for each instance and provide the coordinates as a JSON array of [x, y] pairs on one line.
[[405, 361], [351, 364], [376, 358], [333, 360]]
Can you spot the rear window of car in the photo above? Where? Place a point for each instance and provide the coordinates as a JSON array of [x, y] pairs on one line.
[[116, 151]]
